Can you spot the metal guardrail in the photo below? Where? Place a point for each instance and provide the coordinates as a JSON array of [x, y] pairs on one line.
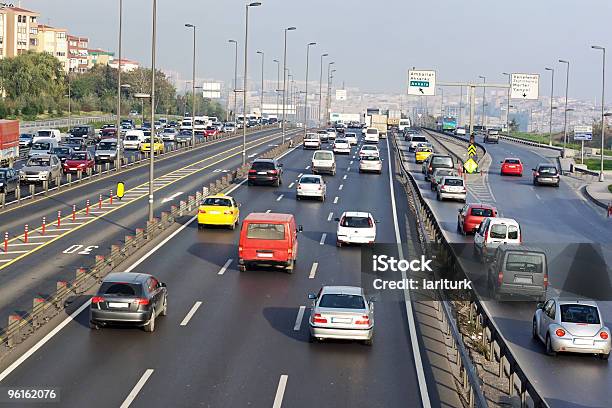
[[491, 335], [63, 122], [530, 143]]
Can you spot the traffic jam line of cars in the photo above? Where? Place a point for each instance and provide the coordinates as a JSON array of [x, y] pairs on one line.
[[516, 270], [21, 246]]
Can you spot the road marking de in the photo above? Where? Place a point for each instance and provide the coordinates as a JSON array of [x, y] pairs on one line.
[[280, 197], [348, 168], [225, 266], [291, 185], [329, 217], [134, 393], [280, 391], [336, 200], [191, 312], [307, 167], [351, 162], [313, 270], [341, 186], [300, 175], [298, 319], [344, 177], [322, 241]]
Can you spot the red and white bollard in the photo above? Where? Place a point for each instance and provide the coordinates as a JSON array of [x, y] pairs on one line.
[[6, 242], [87, 208], [100, 201], [44, 226], [25, 234], [609, 210], [111, 196]]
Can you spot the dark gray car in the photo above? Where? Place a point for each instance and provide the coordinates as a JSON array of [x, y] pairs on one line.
[[9, 180], [129, 298], [546, 173], [520, 271]]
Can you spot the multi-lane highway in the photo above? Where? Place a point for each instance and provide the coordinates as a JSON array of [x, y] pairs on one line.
[[241, 339]]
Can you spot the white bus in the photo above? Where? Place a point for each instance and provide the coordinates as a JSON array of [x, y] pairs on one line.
[[403, 124]]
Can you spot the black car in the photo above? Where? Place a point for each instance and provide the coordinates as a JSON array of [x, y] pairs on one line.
[[62, 152], [129, 298], [265, 171], [85, 132], [546, 173], [9, 180], [75, 144], [272, 121], [25, 140]]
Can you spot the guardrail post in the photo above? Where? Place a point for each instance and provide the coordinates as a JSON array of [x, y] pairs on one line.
[[139, 236], [79, 175], [2, 199], [182, 207], [89, 171], [69, 178], [191, 202], [106, 167], [511, 382], [99, 169], [31, 190], [502, 363], [18, 193], [37, 303], [61, 293], [58, 181], [81, 276], [14, 320]]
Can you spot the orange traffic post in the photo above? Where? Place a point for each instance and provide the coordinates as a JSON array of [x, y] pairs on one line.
[[111, 196], [609, 209], [87, 208], [25, 234], [59, 217], [44, 226], [100, 201], [6, 242]]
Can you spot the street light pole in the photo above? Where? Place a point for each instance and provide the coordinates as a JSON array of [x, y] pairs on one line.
[[118, 166], [329, 86], [277, 87], [508, 106], [552, 91], [565, 111], [152, 144], [262, 83], [235, 77], [306, 86], [327, 101], [285, 80], [193, 85], [244, 90], [441, 103], [484, 101], [603, 92], [321, 86]]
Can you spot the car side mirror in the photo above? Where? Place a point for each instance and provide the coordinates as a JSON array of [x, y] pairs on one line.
[[300, 228], [337, 219], [312, 296], [540, 305]]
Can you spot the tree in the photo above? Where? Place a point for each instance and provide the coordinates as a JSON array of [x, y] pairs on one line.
[[32, 75]]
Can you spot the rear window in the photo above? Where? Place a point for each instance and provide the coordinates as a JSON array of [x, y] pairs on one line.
[[310, 137], [418, 139], [525, 262], [44, 133], [342, 301], [442, 161], [39, 161], [372, 131], [107, 146], [79, 156], [482, 212], [579, 314], [548, 170], [453, 182], [216, 201], [512, 161], [356, 222], [323, 156], [266, 231], [41, 146], [310, 180], [513, 232], [263, 166], [444, 172], [371, 158], [120, 289], [61, 150], [499, 231], [131, 137]]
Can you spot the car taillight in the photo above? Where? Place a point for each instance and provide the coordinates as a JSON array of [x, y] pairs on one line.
[[370, 223], [202, 211], [252, 171], [442, 187], [500, 277], [318, 319], [429, 168], [603, 335], [545, 281], [366, 320], [289, 251], [239, 249], [273, 171], [560, 332], [97, 299], [142, 301], [536, 174], [228, 212]]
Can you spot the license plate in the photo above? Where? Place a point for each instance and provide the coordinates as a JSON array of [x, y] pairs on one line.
[[264, 255], [545, 179], [341, 320], [214, 212], [583, 342], [116, 305], [262, 172], [72, 168], [522, 279]]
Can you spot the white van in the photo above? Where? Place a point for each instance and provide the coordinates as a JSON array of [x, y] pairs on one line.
[[133, 139], [323, 161], [493, 232], [48, 134], [42, 146], [403, 124], [371, 135]]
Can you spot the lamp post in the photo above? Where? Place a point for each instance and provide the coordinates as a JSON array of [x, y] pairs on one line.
[[565, 111], [244, 90], [152, 155], [306, 86], [327, 102], [441, 104], [285, 79], [277, 87], [603, 94], [484, 99], [235, 75], [290, 96], [508, 110], [329, 85], [193, 85], [70, 102], [321, 86], [552, 91], [262, 83], [118, 88]]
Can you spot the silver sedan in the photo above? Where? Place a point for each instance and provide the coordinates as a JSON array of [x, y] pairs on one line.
[[574, 326], [311, 185], [341, 312]]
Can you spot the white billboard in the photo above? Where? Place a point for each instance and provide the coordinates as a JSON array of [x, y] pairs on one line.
[[525, 86], [341, 94], [211, 90], [422, 82]]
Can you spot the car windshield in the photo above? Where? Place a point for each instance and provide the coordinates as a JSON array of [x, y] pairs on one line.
[[351, 135], [576, 313], [120, 289], [453, 182], [169, 130], [44, 133], [266, 231], [41, 146], [322, 132], [312, 136], [262, 165], [218, 202], [79, 156], [25, 137], [341, 301], [419, 139], [548, 170], [310, 180], [525, 262], [356, 222], [38, 161], [323, 156], [512, 161], [372, 131], [482, 212], [442, 161], [499, 231], [61, 150], [107, 146]]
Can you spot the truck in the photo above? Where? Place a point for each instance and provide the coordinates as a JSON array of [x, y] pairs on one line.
[[9, 142], [449, 124], [380, 122], [403, 124], [394, 117]]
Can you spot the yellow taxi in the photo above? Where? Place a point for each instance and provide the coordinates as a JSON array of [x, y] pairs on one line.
[[218, 209], [158, 145], [422, 153]]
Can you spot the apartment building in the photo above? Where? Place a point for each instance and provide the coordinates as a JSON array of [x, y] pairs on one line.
[[99, 57], [126, 65], [53, 41], [78, 53], [21, 29]]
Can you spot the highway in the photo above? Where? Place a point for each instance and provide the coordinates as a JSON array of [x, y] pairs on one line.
[[246, 344], [577, 238]]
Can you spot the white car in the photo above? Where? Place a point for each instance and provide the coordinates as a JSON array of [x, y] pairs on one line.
[[369, 150], [323, 161], [371, 135], [331, 134], [342, 146], [169, 135], [311, 141], [451, 187], [133, 139], [351, 137], [370, 164], [355, 227], [460, 131], [229, 127], [310, 185], [493, 232]]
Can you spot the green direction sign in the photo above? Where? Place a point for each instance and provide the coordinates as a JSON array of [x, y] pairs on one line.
[[470, 166], [420, 84]]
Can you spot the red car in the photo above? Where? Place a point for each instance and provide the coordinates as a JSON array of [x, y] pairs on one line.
[[471, 215], [511, 167], [211, 131], [79, 161]]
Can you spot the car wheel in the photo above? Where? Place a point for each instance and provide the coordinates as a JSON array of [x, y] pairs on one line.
[[150, 326], [557, 185], [93, 326], [233, 226], [242, 268], [534, 330], [338, 244], [604, 356], [291, 267], [549, 350], [311, 338], [164, 311], [438, 197], [369, 341]]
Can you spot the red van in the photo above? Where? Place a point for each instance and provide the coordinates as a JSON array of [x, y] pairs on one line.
[[268, 239]]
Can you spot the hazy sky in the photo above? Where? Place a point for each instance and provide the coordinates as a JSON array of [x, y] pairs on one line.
[[372, 42]]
